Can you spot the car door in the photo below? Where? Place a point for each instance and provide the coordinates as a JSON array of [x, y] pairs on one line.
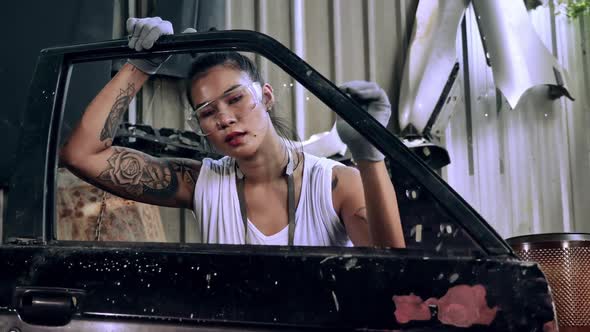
[[456, 272]]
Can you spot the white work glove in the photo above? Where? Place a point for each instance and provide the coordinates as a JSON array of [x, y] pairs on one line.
[[375, 101], [143, 33]]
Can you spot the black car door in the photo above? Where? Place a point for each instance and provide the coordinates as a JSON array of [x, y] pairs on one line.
[[456, 274]]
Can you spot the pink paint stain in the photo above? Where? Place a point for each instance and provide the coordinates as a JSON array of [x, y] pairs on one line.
[[461, 306], [550, 326], [409, 308]]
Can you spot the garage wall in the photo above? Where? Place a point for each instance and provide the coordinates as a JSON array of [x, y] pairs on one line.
[[525, 170], [30, 26], [343, 39]]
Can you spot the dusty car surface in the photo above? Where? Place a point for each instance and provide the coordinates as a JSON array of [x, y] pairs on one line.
[[455, 274]]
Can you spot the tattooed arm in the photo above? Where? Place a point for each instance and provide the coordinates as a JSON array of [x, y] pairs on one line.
[[366, 203], [138, 176], [98, 126], [125, 172]]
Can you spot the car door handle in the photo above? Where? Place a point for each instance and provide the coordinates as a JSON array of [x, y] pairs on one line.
[[47, 305]]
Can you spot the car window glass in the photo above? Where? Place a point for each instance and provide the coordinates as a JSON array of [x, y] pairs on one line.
[[156, 124]]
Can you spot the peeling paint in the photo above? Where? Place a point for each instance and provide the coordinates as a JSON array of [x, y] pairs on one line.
[[327, 259], [461, 306], [179, 286], [550, 327], [438, 247], [351, 263], [335, 301], [410, 308]]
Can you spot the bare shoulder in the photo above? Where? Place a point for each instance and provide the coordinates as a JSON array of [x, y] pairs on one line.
[[346, 181], [343, 174]]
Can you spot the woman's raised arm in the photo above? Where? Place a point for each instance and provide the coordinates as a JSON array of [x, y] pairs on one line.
[[131, 174], [376, 205]]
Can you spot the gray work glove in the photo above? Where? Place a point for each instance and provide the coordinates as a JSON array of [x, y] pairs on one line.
[[375, 101], [143, 33]]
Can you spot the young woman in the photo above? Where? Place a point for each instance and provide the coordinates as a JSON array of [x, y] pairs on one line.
[[264, 191]]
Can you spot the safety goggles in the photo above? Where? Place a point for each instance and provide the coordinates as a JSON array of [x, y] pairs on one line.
[[239, 100]]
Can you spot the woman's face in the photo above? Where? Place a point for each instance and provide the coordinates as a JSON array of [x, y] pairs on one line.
[[237, 121]]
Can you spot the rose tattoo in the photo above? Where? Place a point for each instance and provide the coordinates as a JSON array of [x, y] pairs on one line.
[[135, 174]]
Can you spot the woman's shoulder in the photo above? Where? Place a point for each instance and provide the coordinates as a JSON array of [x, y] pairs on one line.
[[313, 161], [335, 170]]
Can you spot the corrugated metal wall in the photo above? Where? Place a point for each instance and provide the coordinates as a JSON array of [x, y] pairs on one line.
[[343, 39], [526, 169]]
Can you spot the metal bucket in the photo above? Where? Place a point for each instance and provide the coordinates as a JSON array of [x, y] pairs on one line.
[[565, 260]]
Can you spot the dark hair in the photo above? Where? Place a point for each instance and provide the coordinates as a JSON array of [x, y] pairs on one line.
[[204, 62]]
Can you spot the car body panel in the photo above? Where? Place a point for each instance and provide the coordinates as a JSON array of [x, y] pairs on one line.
[[481, 286]]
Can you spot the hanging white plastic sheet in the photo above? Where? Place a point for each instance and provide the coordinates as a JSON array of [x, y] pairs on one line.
[[518, 57], [431, 57]]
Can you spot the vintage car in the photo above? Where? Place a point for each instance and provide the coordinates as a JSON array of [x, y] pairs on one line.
[[456, 274]]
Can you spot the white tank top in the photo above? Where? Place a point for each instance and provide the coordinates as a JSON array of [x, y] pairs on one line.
[[217, 208]]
